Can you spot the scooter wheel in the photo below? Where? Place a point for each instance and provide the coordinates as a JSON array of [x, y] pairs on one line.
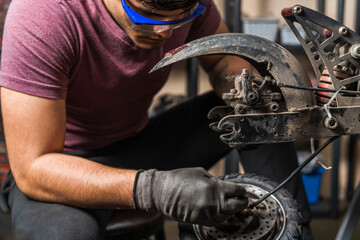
[[277, 217]]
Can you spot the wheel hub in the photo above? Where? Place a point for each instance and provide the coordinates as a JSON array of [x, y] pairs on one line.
[[262, 222]]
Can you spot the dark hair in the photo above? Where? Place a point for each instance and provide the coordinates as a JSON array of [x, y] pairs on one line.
[[169, 5]]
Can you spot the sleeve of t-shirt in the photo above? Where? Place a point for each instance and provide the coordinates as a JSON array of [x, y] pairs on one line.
[[38, 49], [207, 23]]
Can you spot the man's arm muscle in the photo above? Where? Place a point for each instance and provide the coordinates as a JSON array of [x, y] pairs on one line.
[[34, 133]]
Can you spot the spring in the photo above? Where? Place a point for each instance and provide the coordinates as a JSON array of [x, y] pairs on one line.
[[326, 83]]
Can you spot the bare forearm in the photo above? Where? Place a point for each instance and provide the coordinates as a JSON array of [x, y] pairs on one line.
[[79, 182]]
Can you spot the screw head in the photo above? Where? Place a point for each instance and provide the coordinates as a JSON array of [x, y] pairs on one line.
[[297, 9], [355, 51], [343, 31], [274, 107]]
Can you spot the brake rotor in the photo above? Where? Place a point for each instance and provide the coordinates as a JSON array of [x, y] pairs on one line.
[[264, 221]]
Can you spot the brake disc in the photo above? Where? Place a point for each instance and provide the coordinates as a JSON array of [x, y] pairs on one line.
[[265, 221]]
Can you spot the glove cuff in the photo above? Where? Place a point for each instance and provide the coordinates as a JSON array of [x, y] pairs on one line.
[[142, 192], [136, 206]]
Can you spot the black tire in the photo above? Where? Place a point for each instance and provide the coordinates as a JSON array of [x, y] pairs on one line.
[[291, 226]]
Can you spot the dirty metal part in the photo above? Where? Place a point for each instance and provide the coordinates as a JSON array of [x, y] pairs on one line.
[[264, 221], [289, 126], [280, 63], [256, 126], [355, 51], [328, 45], [264, 110], [244, 91], [217, 114], [330, 123], [251, 94]]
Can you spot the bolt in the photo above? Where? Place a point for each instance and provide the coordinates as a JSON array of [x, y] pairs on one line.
[[330, 122], [251, 96], [339, 67], [355, 51], [274, 107], [245, 71], [298, 10], [331, 57], [343, 31], [240, 108]]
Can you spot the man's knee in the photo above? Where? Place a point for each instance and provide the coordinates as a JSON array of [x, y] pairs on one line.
[[57, 222]]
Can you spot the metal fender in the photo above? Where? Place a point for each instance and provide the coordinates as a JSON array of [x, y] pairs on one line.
[[280, 63]]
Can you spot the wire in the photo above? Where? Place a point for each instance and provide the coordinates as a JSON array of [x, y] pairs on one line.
[[312, 143], [257, 77], [296, 171], [327, 105], [318, 89]]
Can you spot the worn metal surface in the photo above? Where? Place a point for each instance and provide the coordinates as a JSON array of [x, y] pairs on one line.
[[261, 109], [280, 63], [288, 126], [329, 45]]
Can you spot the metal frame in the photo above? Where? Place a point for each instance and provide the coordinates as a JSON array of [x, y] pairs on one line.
[[353, 213], [233, 12]]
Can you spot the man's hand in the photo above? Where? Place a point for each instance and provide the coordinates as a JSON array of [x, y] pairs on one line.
[[189, 195]]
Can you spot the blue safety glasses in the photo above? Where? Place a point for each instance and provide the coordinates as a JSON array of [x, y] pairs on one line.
[[140, 22]]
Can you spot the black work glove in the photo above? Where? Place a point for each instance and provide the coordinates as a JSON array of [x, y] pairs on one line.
[[189, 195]]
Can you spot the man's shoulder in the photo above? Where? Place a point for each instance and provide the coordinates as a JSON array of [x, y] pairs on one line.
[[31, 10]]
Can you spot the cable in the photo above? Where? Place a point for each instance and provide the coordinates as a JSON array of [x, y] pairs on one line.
[[316, 158], [318, 89], [296, 171], [260, 78]]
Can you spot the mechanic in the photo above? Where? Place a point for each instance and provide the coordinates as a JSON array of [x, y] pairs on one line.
[[75, 93]]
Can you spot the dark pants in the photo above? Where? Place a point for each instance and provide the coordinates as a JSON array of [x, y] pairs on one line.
[[177, 138]]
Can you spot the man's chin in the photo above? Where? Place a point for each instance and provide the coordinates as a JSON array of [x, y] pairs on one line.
[[149, 43]]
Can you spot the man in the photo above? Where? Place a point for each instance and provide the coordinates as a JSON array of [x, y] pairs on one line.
[[75, 95]]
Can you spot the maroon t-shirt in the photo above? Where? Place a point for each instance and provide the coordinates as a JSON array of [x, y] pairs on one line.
[[74, 50]]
